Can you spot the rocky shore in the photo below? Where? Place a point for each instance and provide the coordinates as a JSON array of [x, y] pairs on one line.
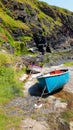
[[56, 112]]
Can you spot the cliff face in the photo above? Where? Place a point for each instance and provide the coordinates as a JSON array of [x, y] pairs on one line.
[[33, 24]]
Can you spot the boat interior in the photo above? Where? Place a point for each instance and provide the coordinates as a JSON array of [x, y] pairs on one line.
[[58, 71]]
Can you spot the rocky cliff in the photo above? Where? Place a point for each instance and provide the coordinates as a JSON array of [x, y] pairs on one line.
[[34, 25]]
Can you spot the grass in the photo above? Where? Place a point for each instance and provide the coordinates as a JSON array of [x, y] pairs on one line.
[[62, 10], [6, 59], [10, 88], [31, 2], [20, 73], [26, 38], [8, 122], [68, 64], [43, 16], [1, 5], [5, 36], [20, 48], [9, 21], [67, 115]]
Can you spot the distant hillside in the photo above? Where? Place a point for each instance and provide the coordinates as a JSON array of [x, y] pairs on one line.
[[26, 24]]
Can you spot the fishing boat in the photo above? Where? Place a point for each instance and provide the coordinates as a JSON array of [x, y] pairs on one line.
[[54, 80]]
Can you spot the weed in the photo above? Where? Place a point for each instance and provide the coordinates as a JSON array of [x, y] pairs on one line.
[[67, 115]]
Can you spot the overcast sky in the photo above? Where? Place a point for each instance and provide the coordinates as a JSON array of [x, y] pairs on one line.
[[67, 4]]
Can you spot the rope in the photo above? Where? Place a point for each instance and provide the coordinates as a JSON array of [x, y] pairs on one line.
[[43, 92], [40, 98]]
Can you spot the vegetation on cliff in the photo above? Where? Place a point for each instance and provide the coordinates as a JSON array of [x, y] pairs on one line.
[[21, 18]]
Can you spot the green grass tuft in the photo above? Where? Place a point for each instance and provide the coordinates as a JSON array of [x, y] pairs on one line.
[[8, 122], [5, 36], [9, 86], [6, 59], [68, 64], [67, 115], [8, 21]]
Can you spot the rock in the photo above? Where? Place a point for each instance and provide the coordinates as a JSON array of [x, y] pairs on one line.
[[69, 86], [47, 10], [24, 77], [60, 106], [21, 6], [12, 5], [17, 33], [0, 20], [40, 42], [70, 18], [8, 47], [15, 5], [5, 1], [56, 105], [71, 125], [33, 124], [37, 106], [20, 15]]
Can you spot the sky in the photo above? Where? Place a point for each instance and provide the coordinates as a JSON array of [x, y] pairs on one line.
[[67, 4]]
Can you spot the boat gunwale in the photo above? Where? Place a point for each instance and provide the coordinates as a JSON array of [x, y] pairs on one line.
[[47, 76]]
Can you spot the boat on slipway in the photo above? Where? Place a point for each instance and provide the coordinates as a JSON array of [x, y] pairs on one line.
[[54, 80]]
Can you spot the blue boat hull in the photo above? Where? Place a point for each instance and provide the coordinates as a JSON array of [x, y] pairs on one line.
[[54, 82]]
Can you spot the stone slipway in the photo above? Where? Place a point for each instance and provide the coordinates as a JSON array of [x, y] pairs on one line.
[[32, 81], [52, 106]]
